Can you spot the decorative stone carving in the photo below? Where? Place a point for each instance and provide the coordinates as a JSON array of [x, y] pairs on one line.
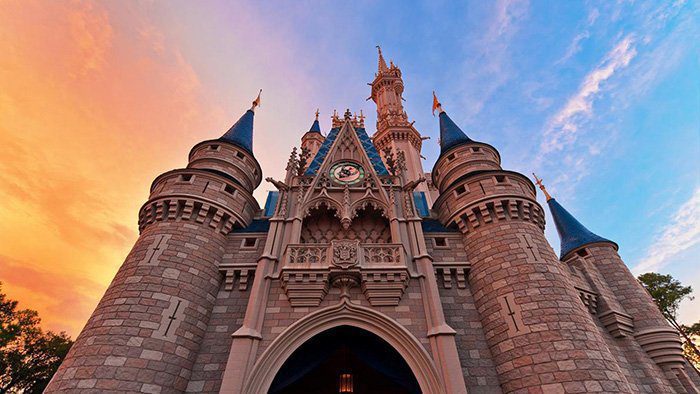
[[345, 253], [307, 255], [450, 269], [305, 288], [589, 299], [663, 345], [243, 273], [383, 255], [345, 281], [512, 314], [617, 323], [380, 269], [384, 288]]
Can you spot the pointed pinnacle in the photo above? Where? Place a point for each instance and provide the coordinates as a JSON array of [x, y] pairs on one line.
[[541, 185]]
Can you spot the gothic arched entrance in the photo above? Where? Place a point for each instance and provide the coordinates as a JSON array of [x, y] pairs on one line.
[[346, 356], [345, 313]]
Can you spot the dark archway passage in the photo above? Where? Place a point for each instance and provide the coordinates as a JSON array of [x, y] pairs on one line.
[[315, 367]]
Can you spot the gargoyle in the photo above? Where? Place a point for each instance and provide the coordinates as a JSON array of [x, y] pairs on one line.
[[413, 184], [281, 186]]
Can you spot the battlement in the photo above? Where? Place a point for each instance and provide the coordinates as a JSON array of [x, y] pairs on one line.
[[199, 196], [382, 139], [489, 196]]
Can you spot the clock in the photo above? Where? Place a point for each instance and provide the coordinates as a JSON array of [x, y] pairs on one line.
[[347, 173]]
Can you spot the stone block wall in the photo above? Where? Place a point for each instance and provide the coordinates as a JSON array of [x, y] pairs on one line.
[[539, 332], [474, 354], [226, 317], [146, 331]]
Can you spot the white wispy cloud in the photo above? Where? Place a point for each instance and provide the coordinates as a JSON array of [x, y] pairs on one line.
[[574, 47], [488, 65], [681, 233], [563, 127]]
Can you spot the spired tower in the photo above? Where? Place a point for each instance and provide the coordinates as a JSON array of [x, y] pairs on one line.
[[395, 133], [347, 281]]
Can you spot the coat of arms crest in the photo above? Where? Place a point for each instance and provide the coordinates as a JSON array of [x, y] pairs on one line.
[[345, 253]]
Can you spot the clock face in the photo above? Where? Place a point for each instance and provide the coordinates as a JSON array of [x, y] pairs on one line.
[[347, 173]]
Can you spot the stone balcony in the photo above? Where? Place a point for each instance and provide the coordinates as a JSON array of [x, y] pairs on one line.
[[308, 270]]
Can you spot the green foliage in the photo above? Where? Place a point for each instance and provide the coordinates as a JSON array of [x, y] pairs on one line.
[[668, 293], [28, 356]]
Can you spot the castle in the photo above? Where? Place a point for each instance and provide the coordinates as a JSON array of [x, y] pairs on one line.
[[363, 274]]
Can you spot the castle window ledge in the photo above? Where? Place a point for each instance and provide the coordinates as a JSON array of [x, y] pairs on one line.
[[186, 178], [441, 243]]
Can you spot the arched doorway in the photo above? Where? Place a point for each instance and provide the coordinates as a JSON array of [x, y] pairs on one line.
[[345, 313], [363, 362]]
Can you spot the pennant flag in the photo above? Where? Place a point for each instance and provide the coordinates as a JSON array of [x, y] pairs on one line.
[[436, 103], [256, 102]]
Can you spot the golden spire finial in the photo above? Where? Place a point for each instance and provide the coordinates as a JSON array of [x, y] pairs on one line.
[[541, 185], [317, 113], [256, 102]]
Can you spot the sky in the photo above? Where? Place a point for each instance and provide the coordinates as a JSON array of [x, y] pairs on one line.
[[600, 99]]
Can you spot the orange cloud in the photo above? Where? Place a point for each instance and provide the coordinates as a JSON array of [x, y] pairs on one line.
[[98, 99], [92, 108]]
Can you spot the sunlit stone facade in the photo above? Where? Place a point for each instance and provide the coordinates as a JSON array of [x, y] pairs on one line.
[[363, 273]]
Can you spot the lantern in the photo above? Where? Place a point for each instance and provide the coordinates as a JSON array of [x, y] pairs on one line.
[[345, 385]]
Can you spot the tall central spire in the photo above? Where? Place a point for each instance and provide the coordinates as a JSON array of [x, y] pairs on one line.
[[387, 91], [382, 63], [394, 132]]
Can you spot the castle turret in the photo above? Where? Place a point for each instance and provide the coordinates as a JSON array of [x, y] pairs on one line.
[[146, 331], [572, 233], [459, 154], [313, 139], [531, 313], [627, 309], [394, 131]]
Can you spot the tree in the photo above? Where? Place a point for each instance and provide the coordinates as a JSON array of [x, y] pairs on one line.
[[668, 293], [28, 356], [689, 349]]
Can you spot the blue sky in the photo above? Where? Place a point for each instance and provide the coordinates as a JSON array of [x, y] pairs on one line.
[[601, 99]]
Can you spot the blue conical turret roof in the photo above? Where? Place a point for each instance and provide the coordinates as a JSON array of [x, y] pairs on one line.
[[572, 233], [450, 134], [315, 127], [241, 133]]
